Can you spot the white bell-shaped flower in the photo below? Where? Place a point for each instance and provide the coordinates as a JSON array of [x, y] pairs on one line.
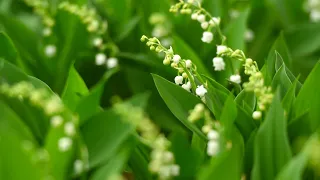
[[176, 58], [207, 37], [218, 64], [222, 49], [187, 86], [235, 78], [112, 62], [100, 59], [178, 80], [50, 50], [201, 91]]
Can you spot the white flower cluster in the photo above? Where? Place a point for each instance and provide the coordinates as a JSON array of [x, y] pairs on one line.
[[41, 8], [101, 59], [199, 14], [162, 160], [313, 6], [213, 143], [162, 28], [87, 15], [51, 105], [186, 69], [198, 113]]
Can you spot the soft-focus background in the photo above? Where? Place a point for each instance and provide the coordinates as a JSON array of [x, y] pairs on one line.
[[249, 25]]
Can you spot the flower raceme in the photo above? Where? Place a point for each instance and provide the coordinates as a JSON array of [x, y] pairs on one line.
[[186, 69], [207, 22]]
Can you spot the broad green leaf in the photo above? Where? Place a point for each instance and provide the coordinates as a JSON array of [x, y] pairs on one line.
[[246, 100], [11, 121], [68, 30], [290, 97], [185, 51], [33, 117], [228, 116], [60, 161], [309, 98], [7, 49], [281, 81], [182, 149], [27, 44], [139, 165], [75, 88], [278, 55], [179, 101], [272, 149], [127, 28], [294, 169], [115, 165], [229, 163], [288, 11], [249, 154], [106, 131], [15, 161], [303, 39], [235, 31], [90, 103]]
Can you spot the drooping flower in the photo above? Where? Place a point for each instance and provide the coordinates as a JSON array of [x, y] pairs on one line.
[[218, 64], [235, 78], [178, 80], [112, 62], [256, 115], [207, 37], [201, 91], [56, 121], [64, 144], [50, 50], [187, 86], [222, 49], [176, 58], [100, 59]]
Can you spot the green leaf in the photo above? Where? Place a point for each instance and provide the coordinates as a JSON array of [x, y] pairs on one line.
[[68, 30], [272, 149], [115, 165], [228, 164], [228, 116], [182, 149], [27, 44], [294, 169], [278, 55], [11, 121], [185, 51], [60, 162], [139, 165], [127, 28], [7, 49], [309, 98], [246, 100], [179, 101], [90, 104], [281, 81], [303, 39], [290, 97], [106, 131], [235, 31], [14, 158], [215, 98], [75, 88], [33, 117]]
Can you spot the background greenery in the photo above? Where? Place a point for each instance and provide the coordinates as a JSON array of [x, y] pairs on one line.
[[281, 25]]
